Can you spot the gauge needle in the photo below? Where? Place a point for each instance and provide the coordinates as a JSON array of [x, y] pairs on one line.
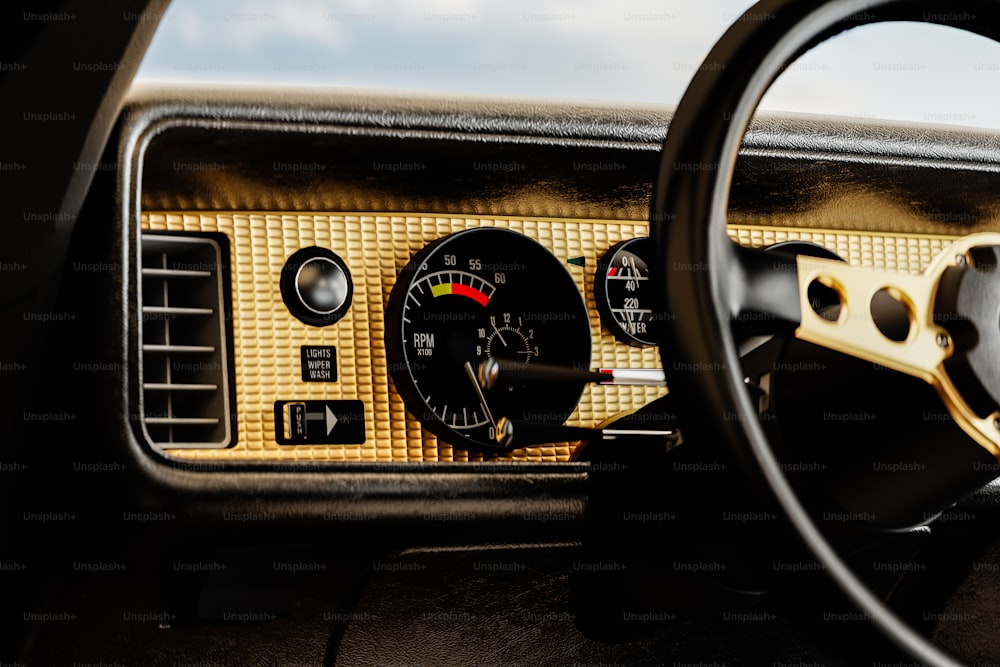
[[471, 374], [499, 335]]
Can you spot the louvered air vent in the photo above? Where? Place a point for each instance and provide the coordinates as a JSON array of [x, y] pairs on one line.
[[185, 364]]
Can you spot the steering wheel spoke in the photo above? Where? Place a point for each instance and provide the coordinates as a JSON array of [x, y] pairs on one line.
[[910, 323], [917, 348]]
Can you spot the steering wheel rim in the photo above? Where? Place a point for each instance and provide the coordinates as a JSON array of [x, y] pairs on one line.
[[687, 228]]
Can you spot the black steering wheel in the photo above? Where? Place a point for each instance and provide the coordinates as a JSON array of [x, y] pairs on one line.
[[712, 286]]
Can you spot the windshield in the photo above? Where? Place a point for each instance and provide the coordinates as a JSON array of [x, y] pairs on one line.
[[634, 50]]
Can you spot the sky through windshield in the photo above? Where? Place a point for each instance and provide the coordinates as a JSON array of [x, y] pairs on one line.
[[632, 50]]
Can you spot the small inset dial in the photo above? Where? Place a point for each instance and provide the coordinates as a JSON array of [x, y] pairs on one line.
[[508, 342], [622, 292]]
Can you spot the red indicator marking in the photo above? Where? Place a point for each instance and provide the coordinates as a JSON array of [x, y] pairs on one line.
[[471, 292], [613, 271]]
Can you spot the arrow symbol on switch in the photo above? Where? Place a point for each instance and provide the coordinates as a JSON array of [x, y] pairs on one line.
[[327, 417], [331, 420]]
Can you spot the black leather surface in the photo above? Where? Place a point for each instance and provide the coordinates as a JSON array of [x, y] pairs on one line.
[[513, 607], [967, 622], [361, 151], [147, 603]]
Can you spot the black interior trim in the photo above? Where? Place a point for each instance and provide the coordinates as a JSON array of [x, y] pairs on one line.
[[341, 129]]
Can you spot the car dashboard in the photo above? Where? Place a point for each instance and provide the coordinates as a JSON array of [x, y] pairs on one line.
[[386, 178], [263, 292]]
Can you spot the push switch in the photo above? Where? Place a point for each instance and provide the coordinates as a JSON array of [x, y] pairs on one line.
[[319, 422]]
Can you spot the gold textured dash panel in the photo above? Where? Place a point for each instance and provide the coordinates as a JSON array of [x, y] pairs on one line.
[[903, 253], [375, 247], [267, 338]]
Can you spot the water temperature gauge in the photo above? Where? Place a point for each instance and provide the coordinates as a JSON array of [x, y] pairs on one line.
[[623, 292]]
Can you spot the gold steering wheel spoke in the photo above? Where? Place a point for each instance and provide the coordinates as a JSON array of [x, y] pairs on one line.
[[926, 346], [854, 331]]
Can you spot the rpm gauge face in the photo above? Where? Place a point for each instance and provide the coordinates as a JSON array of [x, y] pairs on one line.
[[472, 295]]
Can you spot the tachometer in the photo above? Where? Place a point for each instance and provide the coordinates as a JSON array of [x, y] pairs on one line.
[[475, 294]]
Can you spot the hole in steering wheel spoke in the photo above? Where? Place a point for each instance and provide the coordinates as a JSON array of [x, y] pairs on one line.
[[826, 298], [984, 259], [892, 313]]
